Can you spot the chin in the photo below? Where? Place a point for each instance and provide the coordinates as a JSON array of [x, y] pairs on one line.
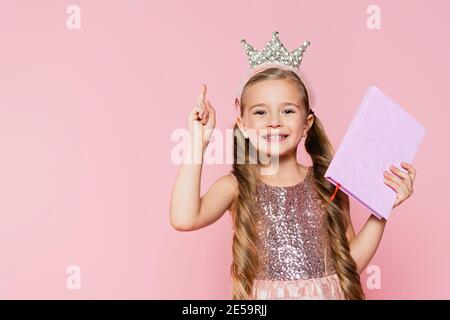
[[282, 151]]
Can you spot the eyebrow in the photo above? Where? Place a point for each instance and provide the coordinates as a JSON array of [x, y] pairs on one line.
[[281, 104]]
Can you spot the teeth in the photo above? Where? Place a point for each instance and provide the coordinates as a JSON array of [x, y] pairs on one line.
[[275, 137]]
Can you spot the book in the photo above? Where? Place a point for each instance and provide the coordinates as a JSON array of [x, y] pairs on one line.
[[380, 134]]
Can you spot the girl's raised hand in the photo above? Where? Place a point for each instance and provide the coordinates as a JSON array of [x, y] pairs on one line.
[[401, 182], [202, 119]]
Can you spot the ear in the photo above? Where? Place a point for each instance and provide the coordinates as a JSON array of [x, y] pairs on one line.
[[237, 102], [239, 121], [309, 122], [241, 124]]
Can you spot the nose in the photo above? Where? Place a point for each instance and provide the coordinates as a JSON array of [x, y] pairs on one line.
[[274, 121]]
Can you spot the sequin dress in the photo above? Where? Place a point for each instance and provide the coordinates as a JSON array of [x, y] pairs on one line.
[[296, 261]]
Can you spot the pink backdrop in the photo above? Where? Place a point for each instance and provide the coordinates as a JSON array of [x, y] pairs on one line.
[[86, 117]]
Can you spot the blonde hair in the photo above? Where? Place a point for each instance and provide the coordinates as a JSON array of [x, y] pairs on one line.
[[246, 171]]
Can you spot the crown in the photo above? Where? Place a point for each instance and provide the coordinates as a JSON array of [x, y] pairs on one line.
[[275, 52]]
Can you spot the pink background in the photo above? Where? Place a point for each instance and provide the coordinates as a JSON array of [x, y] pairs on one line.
[[86, 118]]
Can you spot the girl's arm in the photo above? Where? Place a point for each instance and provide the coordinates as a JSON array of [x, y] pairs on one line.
[[189, 211], [365, 244]]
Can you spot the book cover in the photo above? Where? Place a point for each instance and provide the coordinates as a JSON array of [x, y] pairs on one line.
[[381, 134]]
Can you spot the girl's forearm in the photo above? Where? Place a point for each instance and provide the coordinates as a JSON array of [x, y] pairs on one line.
[[185, 199], [365, 244]]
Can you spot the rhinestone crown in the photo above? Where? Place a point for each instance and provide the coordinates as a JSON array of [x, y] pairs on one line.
[[275, 52]]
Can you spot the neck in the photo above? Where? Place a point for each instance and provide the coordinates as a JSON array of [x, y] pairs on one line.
[[285, 170]]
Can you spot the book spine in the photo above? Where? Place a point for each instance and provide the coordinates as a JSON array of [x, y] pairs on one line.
[[344, 189]]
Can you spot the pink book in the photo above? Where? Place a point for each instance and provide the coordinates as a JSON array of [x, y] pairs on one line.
[[381, 134]]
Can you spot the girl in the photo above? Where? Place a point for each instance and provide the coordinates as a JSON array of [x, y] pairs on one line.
[[290, 241]]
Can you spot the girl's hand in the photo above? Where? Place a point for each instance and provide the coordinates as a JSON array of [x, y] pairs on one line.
[[401, 182], [202, 119]]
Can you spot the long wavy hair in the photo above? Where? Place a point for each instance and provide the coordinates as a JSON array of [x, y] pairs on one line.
[[246, 171]]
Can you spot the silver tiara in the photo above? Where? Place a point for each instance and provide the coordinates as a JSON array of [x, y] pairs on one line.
[[275, 52]]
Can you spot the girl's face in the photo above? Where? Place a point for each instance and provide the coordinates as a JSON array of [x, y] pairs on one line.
[[274, 117]]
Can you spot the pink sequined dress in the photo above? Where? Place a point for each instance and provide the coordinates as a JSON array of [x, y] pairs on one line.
[[296, 261]]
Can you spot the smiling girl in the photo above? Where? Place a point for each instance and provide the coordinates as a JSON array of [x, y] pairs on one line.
[[290, 241]]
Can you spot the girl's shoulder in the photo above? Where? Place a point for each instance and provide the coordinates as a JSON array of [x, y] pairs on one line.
[[232, 182], [226, 185]]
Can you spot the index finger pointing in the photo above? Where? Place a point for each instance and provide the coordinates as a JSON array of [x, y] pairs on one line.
[[201, 97]]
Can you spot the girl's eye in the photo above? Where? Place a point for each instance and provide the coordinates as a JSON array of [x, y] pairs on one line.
[[260, 112]]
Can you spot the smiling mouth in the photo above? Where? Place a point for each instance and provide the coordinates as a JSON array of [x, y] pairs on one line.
[[272, 138]]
